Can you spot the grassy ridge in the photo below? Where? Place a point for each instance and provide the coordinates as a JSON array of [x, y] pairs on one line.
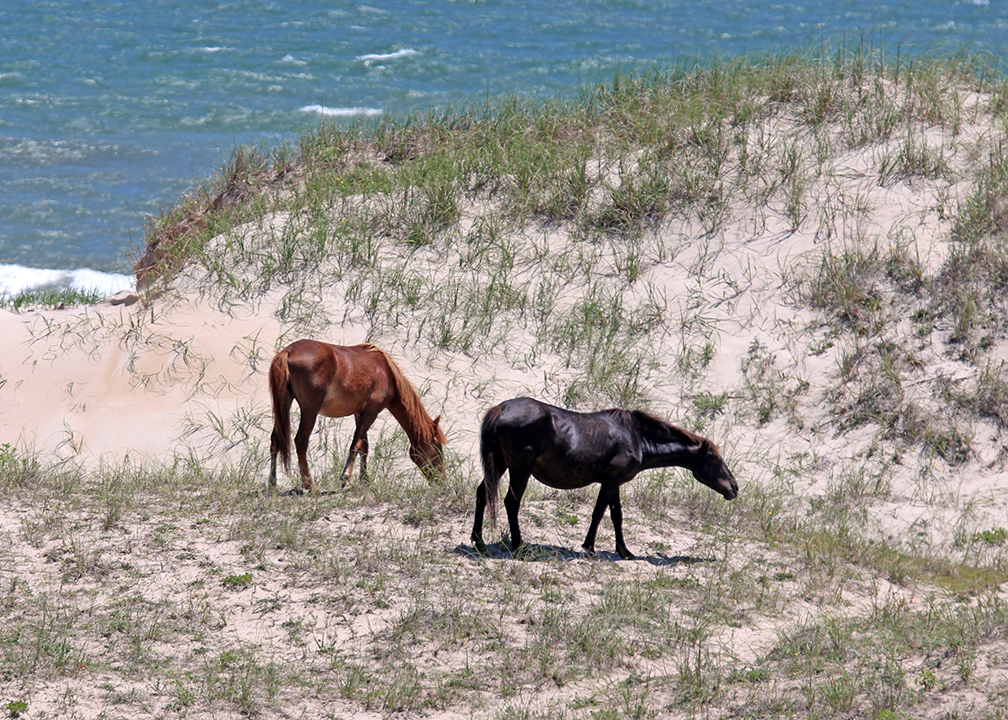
[[534, 238], [689, 146]]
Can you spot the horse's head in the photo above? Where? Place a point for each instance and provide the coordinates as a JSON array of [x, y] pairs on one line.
[[429, 454], [710, 469]]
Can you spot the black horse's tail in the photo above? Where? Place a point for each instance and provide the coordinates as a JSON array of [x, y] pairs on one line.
[[279, 385], [493, 463]]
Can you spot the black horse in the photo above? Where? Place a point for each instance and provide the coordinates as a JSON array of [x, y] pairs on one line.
[[567, 450]]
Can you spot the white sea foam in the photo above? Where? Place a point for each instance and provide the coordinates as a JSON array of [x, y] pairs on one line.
[[341, 111], [17, 278], [378, 57]]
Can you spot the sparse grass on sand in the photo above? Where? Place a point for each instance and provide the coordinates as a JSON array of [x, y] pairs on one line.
[[803, 259]]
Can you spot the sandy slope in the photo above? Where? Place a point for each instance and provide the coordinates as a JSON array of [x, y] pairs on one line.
[[180, 374]]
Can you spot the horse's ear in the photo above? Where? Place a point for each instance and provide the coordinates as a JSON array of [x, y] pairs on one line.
[[437, 421], [704, 447]]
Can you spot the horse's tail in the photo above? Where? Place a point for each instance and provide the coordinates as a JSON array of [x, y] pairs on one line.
[[279, 385], [493, 464]]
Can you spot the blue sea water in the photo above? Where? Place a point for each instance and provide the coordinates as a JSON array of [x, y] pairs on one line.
[[109, 111]]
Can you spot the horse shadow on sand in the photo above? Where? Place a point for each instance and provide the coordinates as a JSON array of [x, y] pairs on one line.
[[294, 492], [532, 552]]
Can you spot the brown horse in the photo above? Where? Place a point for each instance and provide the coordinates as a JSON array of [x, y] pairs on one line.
[[567, 450], [336, 381]]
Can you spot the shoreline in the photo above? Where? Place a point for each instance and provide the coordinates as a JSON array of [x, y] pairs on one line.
[[18, 279]]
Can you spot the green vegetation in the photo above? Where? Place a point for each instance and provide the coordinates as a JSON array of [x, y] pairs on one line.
[[854, 381], [49, 299]]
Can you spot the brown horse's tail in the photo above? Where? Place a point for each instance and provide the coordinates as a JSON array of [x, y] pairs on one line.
[[493, 465], [279, 385]]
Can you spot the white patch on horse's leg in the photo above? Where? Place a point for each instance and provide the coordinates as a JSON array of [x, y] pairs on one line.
[[348, 468], [362, 451], [306, 479]]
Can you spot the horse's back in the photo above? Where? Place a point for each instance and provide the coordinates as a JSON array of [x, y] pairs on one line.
[[307, 354], [563, 448], [557, 424], [521, 412], [518, 427], [339, 380]]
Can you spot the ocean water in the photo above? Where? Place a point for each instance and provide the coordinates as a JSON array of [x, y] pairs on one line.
[[109, 111]]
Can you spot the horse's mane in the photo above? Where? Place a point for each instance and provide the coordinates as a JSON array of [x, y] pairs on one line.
[[410, 400], [657, 430]]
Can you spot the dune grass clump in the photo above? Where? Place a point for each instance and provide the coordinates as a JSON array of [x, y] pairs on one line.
[[613, 161], [57, 299]]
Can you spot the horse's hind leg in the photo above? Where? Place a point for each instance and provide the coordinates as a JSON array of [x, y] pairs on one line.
[[274, 451], [301, 445], [512, 501], [481, 503], [477, 531]]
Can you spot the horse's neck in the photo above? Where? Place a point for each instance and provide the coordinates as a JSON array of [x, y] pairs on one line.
[[677, 453], [417, 430]]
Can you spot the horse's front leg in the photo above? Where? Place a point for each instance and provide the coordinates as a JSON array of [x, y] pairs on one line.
[[358, 445], [348, 467], [363, 452], [354, 448], [605, 492], [616, 513]]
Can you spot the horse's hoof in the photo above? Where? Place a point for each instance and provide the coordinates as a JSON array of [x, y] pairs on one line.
[[589, 551], [479, 545], [625, 554]]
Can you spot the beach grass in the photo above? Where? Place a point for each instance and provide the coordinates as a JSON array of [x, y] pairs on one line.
[[35, 297]]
